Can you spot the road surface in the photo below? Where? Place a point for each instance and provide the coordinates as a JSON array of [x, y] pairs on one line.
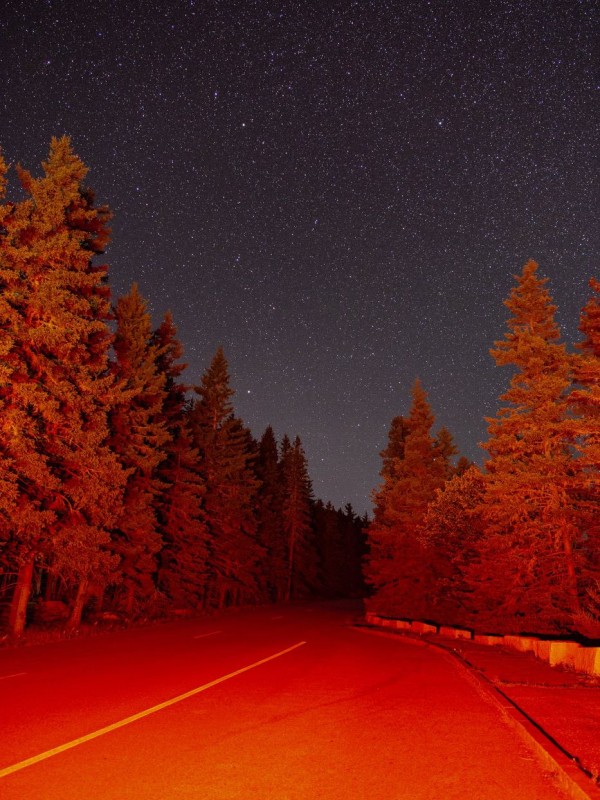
[[262, 704]]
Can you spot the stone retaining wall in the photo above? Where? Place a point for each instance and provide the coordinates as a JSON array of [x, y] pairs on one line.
[[556, 652]]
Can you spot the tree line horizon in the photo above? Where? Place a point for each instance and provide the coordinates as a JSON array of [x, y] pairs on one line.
[[119, 492]]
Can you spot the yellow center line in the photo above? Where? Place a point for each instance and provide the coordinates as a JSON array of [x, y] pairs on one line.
[[141, 714]]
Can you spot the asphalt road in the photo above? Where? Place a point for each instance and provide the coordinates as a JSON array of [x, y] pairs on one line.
[[264, 704]]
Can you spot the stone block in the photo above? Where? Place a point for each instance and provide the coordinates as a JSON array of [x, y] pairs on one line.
[[455, 633], [523, 644], [481, 638], [563, 653], [463, 633], [587, 659], [423, 627], [542, 649]]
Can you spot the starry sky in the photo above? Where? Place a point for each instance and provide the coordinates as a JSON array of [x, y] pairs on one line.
[[338, 193]]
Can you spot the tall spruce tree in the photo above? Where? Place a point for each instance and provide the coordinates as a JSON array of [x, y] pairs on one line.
[[139, 437], [585, 402], [56, 386], [183, 560], [226, 467], [530, 560], [395, 564]]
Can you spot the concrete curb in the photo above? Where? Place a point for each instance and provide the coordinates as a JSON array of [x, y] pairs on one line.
[[571, 778], [555, 652]]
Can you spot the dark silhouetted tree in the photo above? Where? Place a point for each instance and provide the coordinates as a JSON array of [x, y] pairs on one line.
[[302, 566], [270, 532]]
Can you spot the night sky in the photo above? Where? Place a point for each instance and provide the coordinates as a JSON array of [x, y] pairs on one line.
[[339, 193]]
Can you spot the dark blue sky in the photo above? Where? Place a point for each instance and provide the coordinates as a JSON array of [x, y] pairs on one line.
[[339, 193]]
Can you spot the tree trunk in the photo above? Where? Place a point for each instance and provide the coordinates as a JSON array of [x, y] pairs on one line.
[[75, 618], [18, 608]]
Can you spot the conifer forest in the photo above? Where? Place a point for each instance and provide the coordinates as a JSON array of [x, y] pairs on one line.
[[127, 492]]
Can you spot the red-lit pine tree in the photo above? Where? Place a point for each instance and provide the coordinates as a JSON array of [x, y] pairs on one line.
[[139, 437], [183, 560], [585, 402], [54, 311], [393, 453], [226, 467], [445, 450], [452, 532], [395, 565], [531, 551]]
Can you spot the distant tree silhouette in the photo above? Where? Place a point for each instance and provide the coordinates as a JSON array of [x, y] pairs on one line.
[[270, 531], [302, 563], [340, 542]]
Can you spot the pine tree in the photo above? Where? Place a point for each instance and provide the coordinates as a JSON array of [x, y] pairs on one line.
[[445, 449], [270, 532], [183, 560], [226, 467], [452, 532], [56, 387], [302, 566], [139, 437], [585, 492], [531, 553], [395, 565], [394, 452]]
